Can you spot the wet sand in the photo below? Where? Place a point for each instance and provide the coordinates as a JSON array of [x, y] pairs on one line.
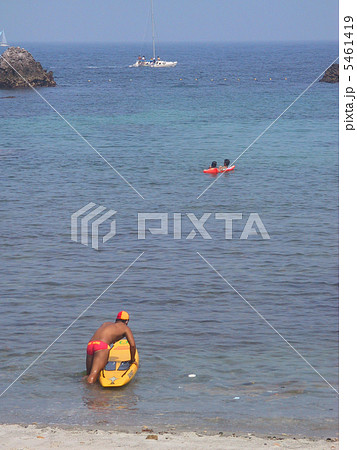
[[33, 436]]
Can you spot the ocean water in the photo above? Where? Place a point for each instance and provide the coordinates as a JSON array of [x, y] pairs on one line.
[[160, 129]]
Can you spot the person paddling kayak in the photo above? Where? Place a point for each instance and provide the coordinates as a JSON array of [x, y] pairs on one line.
[[99, 345]]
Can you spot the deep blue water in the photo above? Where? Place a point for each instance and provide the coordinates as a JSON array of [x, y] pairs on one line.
[[160, 128]]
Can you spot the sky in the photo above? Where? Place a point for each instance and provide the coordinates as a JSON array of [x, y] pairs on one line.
[[176, 20]]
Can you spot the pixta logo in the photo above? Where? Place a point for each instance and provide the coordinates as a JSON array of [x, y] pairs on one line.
[[86, 221], [253, 226]]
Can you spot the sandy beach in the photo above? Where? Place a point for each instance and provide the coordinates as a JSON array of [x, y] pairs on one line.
[[33, 436]]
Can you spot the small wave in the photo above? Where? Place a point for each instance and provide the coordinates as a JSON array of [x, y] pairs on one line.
[[101, 67]]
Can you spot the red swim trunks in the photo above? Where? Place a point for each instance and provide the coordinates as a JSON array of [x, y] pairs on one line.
[[94, 346]]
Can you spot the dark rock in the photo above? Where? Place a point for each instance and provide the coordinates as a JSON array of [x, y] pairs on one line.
[[23, 62], [331, 74]]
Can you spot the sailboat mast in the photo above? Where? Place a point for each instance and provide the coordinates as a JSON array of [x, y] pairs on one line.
[[153, 29]]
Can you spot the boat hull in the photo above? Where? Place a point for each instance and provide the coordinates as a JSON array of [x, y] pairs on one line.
[[155, 65]]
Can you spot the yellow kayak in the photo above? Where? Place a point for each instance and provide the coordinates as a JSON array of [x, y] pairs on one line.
[[118, 370]]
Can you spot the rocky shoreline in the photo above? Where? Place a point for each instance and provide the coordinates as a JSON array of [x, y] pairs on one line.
[[331, 75], [18, 69]]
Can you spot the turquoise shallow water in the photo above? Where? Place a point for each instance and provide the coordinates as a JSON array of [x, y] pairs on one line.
[[160, 132]]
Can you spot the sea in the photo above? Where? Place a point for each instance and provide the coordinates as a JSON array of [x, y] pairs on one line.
[[236, 327]]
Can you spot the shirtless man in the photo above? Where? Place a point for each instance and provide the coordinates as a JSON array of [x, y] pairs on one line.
[[225, 165], [99, 345]]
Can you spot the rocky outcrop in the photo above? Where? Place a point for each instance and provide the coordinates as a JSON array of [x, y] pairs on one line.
[[331, 74], [23, 62]]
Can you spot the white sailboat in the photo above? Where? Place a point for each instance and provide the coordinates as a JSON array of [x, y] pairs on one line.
[[3, 41], [153, 62]]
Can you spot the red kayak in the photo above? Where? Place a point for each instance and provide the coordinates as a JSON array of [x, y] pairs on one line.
[[215, 170]]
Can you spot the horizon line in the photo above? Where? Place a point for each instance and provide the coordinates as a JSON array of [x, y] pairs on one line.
[[187, 42]]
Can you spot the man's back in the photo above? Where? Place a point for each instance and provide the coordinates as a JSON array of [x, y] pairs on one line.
[[110, 332]]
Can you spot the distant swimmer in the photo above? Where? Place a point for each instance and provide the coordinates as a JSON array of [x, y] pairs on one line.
[[99, 345], [225, 165], [213, 165]]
